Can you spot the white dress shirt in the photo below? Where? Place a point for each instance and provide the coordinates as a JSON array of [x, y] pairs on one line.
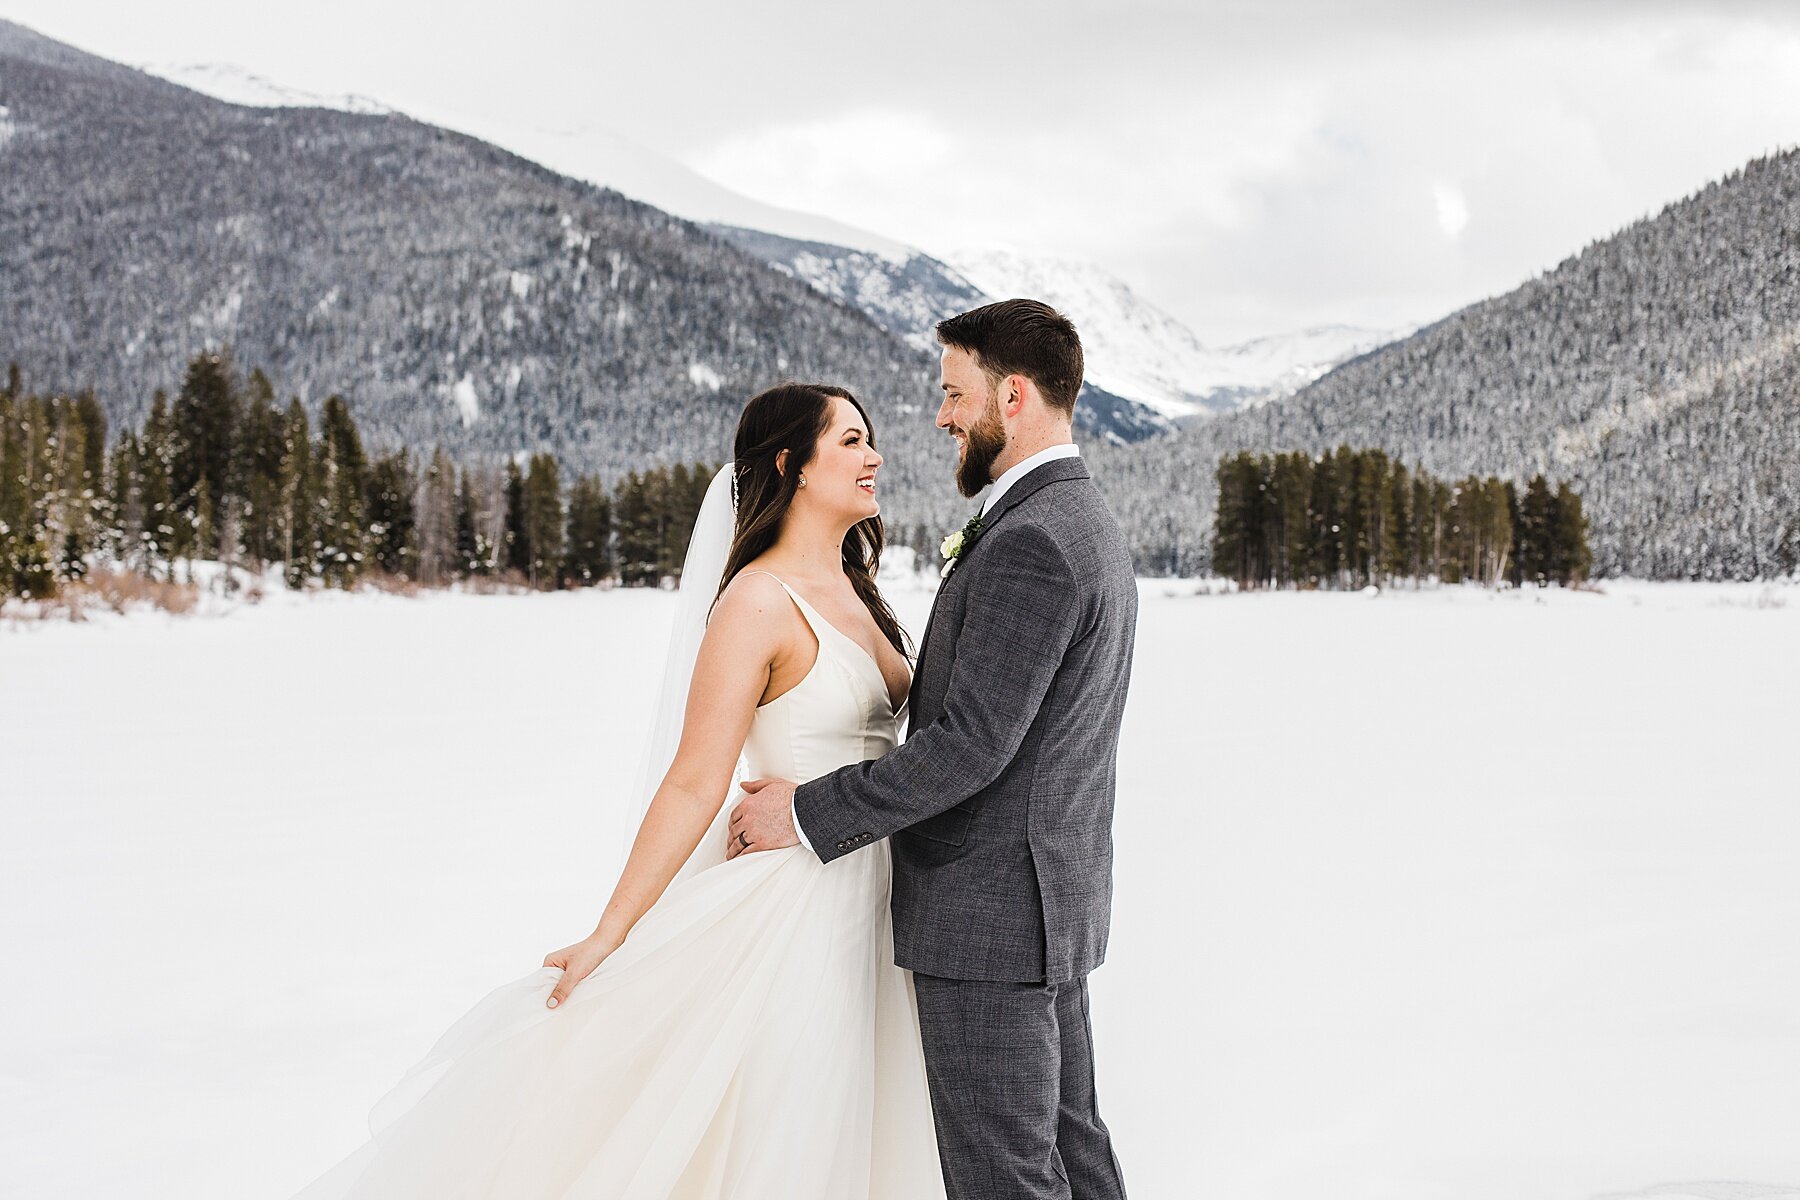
[[1007, 478]]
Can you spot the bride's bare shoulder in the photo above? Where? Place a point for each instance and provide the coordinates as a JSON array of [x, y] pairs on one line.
[[755, 599]]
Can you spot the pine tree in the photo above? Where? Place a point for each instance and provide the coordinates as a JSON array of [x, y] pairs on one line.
[[1572, 558], [125, 506], [296, 498], [1238, 538], [26, 565], [437, 519], [683, 489], [473, 555], [1290, 553], [636, 531], [342, 479], [14, 511], [204, 533], [1497, 533], [63, 491], [515, 540], [1438, 529], [1515, 572], [97, 517], [154, 463], [206, 418], [1370, 503], [1326, 520], [263, 446], [543, 521], [1399, 554], [1537, 533], [589, 556], [391, 515], [1352, 544], [1423, 532]]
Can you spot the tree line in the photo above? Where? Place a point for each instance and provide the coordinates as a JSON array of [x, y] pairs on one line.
[[1348, 518], [223, 472]]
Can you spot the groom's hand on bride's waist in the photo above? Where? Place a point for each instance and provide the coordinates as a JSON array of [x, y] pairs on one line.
[[764, 820]]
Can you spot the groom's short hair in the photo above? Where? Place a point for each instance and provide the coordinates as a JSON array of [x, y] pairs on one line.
[[1021, 337]]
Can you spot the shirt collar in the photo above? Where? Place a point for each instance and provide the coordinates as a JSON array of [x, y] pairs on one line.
[[1019, 470]]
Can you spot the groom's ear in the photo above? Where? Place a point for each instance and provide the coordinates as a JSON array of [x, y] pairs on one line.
[[1012, 394]]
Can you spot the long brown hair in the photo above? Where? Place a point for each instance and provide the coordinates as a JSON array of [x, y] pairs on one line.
[[793, 417]]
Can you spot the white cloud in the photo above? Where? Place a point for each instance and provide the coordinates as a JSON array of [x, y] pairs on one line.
[[1452, 209], [1249, 168], [860, 161]]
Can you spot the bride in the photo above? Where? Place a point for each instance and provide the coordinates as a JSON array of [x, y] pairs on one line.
[[730, 1028]]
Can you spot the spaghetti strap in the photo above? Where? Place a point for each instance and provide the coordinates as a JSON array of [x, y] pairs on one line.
[[807, 613], [814, 620], [806, 610]]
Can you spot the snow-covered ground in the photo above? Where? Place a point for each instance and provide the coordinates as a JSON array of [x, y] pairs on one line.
[[1420, 896]]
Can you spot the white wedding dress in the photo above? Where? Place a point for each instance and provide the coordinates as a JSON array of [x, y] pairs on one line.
[[752, 1038]]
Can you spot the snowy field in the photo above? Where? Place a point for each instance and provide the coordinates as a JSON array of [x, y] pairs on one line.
[[1420, 896]]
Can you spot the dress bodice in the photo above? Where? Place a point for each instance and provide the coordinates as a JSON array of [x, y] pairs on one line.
[[839, 713]]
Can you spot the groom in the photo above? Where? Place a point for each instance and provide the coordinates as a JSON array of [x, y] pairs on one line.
[[1000, 801]]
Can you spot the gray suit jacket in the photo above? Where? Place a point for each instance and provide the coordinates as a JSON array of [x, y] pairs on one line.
[[1000, 801]]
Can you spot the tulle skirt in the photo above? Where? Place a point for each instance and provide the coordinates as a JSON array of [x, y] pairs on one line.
[[751, 1039]]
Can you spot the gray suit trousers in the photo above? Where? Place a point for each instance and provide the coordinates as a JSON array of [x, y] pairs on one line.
[[1011, 1069]]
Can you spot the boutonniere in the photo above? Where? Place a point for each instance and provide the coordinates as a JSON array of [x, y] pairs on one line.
[[958, 543]]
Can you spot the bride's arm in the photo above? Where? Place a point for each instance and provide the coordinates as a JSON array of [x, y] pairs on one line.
[[741, 645]]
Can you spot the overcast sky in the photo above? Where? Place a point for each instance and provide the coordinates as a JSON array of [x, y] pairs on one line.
[[1253, 168]]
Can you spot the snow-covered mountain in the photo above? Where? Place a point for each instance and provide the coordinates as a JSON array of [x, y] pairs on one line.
[[1141, 352], [905, 296], [457, 295], [1154, 372], [585, 152], [234, 85], [1136, 353]]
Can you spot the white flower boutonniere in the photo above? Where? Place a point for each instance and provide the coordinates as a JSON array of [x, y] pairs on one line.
[[958, 543]]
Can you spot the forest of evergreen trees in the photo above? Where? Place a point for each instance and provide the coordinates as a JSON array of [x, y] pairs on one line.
[[223, 472], [1349, 518]]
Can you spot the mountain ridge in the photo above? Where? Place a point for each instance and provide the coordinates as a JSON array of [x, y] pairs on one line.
[[1153, 371], [456, 293], [1654, 369]]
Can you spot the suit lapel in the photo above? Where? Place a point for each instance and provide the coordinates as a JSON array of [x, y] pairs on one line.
[[1057, 470], [912, 693], [1054, 471]]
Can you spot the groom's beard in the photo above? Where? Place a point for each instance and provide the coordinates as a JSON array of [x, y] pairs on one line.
[[984, 441]]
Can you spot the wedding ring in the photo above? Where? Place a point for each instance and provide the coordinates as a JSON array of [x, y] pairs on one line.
[[743, 841]]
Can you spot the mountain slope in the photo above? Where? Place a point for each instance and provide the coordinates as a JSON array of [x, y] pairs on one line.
[[581, 151], [1656, 370], [455, 293], [1148, 371], [901, 290]]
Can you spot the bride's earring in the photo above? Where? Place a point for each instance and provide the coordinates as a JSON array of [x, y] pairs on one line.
[[803, 479]]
